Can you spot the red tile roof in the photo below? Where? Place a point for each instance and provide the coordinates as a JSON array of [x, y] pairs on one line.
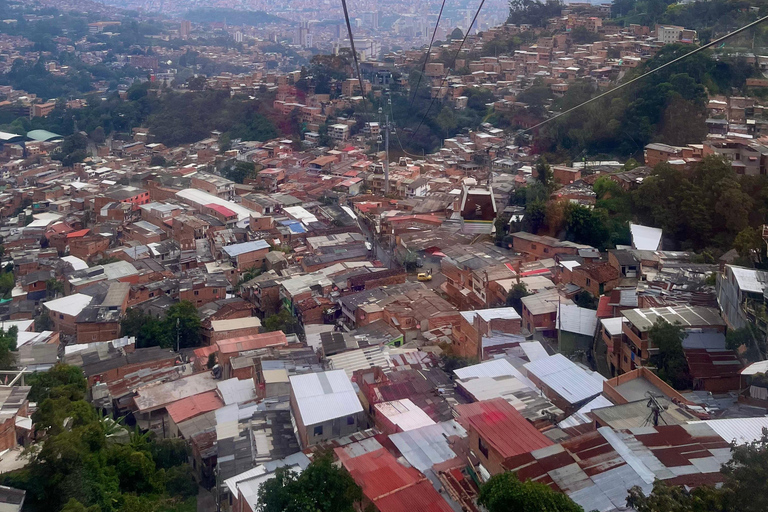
[[495, 420], [195, 405]]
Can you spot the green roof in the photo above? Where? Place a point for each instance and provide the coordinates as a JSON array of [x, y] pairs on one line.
[[43, 135]]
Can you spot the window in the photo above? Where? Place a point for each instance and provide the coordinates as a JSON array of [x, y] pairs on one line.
[[215, 291], [197, 292], [533, 246], [482, 447], [350, 420], [546, 250], [318, 430], [61, 317], [589, 282]]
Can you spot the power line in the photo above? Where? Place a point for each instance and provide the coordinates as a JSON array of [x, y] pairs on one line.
[[456, 56], [426, 57], [354, 53], [673, 61], [394, 129]]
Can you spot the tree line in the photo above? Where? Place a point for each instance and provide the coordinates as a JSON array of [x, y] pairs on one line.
[[708, 209], [84, 462]]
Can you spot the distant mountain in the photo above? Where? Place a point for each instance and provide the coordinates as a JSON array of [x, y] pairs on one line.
[[253, 18]]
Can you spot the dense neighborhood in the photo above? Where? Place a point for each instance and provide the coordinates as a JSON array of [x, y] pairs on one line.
[[235, 277]]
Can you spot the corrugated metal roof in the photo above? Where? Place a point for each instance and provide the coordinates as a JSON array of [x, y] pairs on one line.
[[577, 320], [391, 486], [580, 417], [742, 430], [495, 419], [613, 325], [235, 391], [324, 396], [404, 414], [192, 406], [534, 350], [565, 378], [245, 247], [423, 447], [491, 314]]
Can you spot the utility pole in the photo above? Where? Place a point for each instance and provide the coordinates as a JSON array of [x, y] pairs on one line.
[[386, 153], [178, 344]]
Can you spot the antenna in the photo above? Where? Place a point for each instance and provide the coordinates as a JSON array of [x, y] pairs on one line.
[[656, 409]]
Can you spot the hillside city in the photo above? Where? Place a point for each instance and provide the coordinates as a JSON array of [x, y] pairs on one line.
[[506, 257]]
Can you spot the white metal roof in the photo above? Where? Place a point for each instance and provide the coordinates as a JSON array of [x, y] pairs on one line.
[[758, 367], [70, 305], [645, 238], [202, 198], [748, 279], [301, 214], [578, 320], [565, 378], [236, 391], [426, 446], [613, 325], [491, 314], [324, 396], [491, 369], [534, 350], [404, 414], [742, 430], [245, 247], [76, 262]]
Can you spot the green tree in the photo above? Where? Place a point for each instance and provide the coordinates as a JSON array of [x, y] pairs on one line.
[[321, 487], [544, 173], [148, 330], [240, 171], [587, 226], [73, 149], [7, 282], [515, 295], [8, 347], [670, 361], [750, 244], [667, 498], [157, 161], [586, 300], [447, 120], [183, 320], [504, 493], [225, 143], [63, 379], [283, 320]]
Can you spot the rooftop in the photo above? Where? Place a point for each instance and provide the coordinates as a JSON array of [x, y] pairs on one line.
[[324, 396], [494, 420]]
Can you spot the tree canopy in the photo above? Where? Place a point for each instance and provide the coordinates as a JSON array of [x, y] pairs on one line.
[[181, 318], [670, 361], [81, 465], [321, 487], [504, 493]]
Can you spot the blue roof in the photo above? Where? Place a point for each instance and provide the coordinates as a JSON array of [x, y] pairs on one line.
[[294, 225], [238, 249]]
